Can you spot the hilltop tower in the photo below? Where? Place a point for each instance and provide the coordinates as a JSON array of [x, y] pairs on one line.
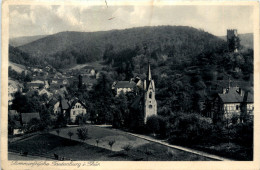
[[150, 104], [233, 40]]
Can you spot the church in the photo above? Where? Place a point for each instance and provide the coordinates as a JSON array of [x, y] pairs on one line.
[[145, 104], [150, 104]]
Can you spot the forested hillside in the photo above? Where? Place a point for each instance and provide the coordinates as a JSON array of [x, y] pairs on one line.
[[19, 41], [23, 58], [68, 48]]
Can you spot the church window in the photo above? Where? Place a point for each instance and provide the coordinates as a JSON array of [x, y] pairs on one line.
[[150, 106], [150, 95]]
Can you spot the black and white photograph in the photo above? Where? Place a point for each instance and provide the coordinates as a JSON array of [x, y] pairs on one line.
[[130, 82]]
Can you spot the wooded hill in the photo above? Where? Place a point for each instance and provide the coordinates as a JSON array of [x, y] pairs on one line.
[[68, 48]]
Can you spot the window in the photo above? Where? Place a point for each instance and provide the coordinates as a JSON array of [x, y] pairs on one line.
[[150, 106], [74, 112], [237, 107], [150, 95]]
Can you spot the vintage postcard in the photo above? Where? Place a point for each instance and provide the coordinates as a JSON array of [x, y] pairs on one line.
[[130, 85]]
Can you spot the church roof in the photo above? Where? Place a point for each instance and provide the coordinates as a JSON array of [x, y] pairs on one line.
[[125, 84], [136, 103]]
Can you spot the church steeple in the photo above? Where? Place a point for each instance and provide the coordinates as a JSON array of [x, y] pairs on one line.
[[149, 72], [150, 107]]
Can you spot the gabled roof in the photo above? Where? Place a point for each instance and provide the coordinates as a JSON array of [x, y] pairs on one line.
[[12, 113], [64, 104], [77, 101], [136, 103], [26, 117], [231, 97], [250, 98], [125, 84]]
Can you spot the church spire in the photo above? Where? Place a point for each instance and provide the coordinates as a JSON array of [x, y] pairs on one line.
[[149, 72]]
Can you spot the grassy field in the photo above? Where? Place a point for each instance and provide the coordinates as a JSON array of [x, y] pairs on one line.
[[95, 65], [45, 145], [104, 135], [17, 67]]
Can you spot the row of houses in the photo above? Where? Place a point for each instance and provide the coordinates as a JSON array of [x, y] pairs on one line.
[[73, 111]]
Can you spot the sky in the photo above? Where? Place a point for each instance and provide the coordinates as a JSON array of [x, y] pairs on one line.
[[29, 20]]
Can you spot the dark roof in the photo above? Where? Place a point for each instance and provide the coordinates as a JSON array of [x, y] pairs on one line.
[[250, 98], [136, 103], [76, 101], [17, 124], [12, 113], [26, 117], [125, 84], [64, 104], [233, 97], [53, 101]]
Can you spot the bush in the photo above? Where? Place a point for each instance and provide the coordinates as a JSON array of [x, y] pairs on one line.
[[190, 127], [34, 125], [82, 133], [152, 124]]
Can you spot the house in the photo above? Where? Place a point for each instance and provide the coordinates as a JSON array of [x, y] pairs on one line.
[[44, 91], [77, 108], [27, 117], [124, 86], [36, 84], [14, 120], [231, 103], [65, 82], [64, 107], [54, 81], [13, 87], [92, 72], [70, 109]]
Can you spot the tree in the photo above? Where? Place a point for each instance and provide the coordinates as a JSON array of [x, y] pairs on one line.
[[82, 133], [97, 141], [70, 134], [111, 143], [103, 97], [34, 125], [152, 124]]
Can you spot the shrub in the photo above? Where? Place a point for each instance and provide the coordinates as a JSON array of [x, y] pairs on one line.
[[190, 127], [70, 134], [82, 133], [152, 124], [111, 143]]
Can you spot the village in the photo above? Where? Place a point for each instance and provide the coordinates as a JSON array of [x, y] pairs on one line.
[[135, 105]]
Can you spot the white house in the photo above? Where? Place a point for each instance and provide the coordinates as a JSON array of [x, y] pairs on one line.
[[124, 87], [77, 108]]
